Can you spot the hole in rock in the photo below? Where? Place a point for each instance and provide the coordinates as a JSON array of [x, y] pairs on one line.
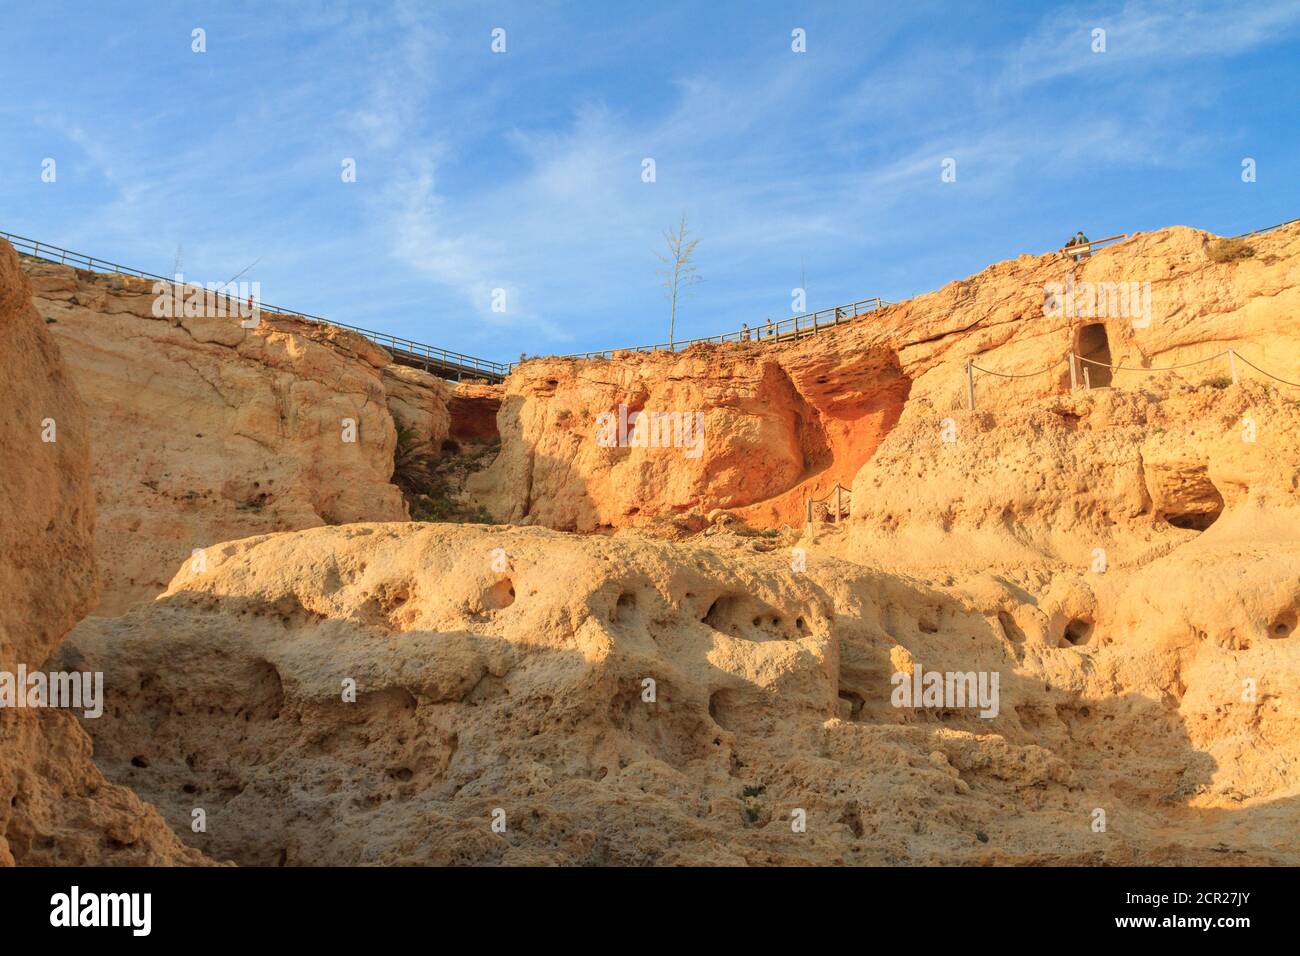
[[450, 446], [1283, 626], [1078, 631], [1194, 520], [742, 616], [1192, 502], [1092, 344], [727, 709], [500, 595], [625, 607], [855, 701], [852, 818]]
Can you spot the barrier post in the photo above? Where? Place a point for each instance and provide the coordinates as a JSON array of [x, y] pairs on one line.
[[812, 528], [1087, 380], [1232, 364], [839, 503], [1074, 374], [970, 385]]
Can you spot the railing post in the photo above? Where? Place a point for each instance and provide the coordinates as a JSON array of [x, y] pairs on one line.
[[970, 384], [1074, 373], [839, 501], [1087, 379], [1232, 364]]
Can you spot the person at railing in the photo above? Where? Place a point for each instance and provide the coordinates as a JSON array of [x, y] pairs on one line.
[[769, 328], [744, 331], [1079, 239]]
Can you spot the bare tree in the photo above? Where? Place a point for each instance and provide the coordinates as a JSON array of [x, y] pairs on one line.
[[678, 273]]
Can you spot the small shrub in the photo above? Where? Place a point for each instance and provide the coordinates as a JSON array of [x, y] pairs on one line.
[[413, 462], [1218, 381], [1228, 250]]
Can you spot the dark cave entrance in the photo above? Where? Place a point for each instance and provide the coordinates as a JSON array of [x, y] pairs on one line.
[[1092, 344]]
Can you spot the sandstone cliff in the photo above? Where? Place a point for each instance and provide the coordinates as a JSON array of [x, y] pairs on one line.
[[784, 422], [205, 431], [1126, 560], [668, 704], [55, 806]]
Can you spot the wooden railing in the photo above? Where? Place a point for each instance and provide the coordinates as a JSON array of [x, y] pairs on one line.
[[1085, 248]]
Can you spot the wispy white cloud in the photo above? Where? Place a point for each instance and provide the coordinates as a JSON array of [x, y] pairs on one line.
[[523, 172], [1145, 34]]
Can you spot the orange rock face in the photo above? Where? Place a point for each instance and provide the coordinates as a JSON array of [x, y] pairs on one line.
[[784, 422], [588, 445], [1116, 569], [473, 408]]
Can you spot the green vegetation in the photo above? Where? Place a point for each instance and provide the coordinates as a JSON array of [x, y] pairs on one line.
[[414, 463], [425, 478]]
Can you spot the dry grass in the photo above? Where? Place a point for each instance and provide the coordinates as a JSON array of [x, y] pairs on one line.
[[1229, 250]]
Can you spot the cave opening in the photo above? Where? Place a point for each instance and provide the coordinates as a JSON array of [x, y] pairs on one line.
[[1093, 345]]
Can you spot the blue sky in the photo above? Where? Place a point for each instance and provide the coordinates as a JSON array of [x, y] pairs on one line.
[[523, 170]]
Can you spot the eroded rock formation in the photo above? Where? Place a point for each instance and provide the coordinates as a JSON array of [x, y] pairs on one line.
[[205, 431], [785, 422], [488, 685], [55, 806], [1125, 560]]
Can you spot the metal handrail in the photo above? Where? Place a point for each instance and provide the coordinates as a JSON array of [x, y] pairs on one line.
[[1256, 232], [796, 326], [51, 253], [1085, 248]]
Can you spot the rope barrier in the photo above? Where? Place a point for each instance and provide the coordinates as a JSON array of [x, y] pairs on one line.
[[1262, 372], [837, 491], [1167, 368], [1232, 355], [826, 497], [989, 371]]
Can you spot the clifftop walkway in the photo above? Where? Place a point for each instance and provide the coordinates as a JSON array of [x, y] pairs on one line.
[[457, 365], [439, 361]]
